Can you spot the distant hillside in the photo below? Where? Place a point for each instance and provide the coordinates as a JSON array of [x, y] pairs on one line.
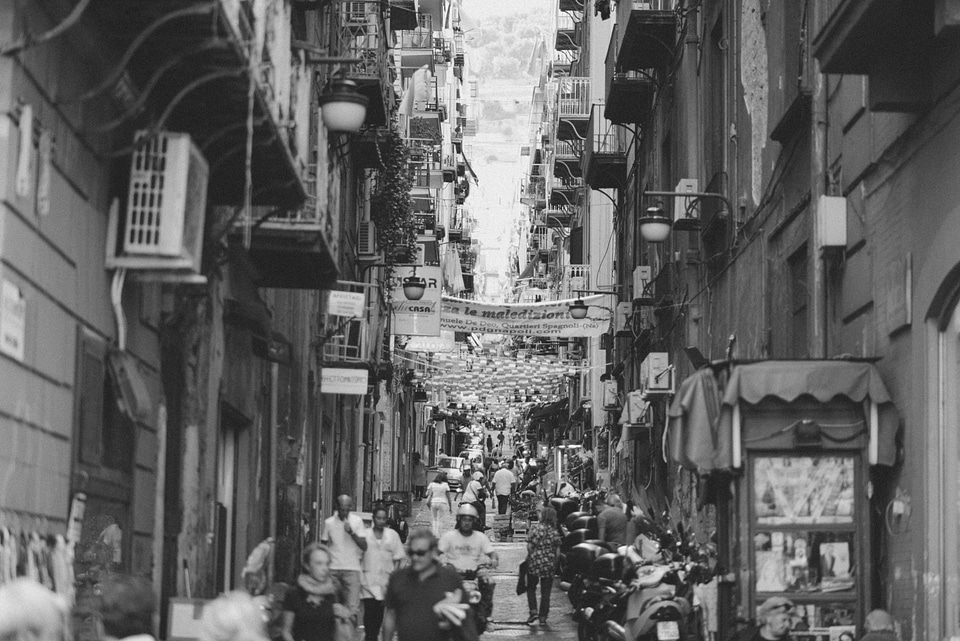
[[500, 47]]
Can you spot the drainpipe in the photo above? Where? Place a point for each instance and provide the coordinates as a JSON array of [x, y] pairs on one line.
[[817, 338], [272, 467], [691, 97]]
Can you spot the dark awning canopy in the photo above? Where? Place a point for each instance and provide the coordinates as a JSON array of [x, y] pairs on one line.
[[547, 410], [705, 428]]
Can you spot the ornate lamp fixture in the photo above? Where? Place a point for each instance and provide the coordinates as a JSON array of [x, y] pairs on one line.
[[343, 107], [654, 226]]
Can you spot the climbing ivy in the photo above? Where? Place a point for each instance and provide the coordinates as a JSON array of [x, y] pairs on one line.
[[391, 207]]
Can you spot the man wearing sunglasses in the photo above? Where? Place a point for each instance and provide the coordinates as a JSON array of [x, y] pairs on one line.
[[425, 600]]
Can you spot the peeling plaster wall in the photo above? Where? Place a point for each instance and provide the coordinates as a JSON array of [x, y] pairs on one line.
[[753, 77]]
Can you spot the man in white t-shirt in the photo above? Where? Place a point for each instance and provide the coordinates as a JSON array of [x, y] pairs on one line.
[[503, 482], [383, 556], [346, 537], [466, 549]]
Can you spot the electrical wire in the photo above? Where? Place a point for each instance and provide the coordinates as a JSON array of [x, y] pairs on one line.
[[141, 140], [114, 75], [137, 105], [28, 41]]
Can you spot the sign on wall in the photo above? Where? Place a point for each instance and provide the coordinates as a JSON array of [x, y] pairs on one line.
[[347, 304], [417, 317], [13, 320], [343, 380]]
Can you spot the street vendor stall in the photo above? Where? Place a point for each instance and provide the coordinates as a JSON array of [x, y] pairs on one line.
[[786, 449]]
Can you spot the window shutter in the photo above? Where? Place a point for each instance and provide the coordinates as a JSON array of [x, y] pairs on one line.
[[89, 389]]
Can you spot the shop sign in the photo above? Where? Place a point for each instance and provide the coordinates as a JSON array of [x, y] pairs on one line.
[[343, 380], [347, 304], [417, 317], [446, 343]]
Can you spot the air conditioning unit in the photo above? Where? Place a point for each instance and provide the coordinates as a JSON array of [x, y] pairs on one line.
[[641, 285], [622, 328], [657, 374], [354, 13], [684, 216], [367, 240], [168, 175], [162, 226]]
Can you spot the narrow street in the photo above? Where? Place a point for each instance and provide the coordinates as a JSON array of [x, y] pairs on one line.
[[510, 609]]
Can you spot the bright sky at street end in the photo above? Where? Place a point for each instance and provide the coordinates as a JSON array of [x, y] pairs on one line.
[[501, 37]]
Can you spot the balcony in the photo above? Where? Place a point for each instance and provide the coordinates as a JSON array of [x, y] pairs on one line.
[[575, 277], [573, 108], [560, 216], [629, 94], [361, 33], [568, 33], [648, 34], [890, 41], [571, 5], [604, 156], [566, 158], [565, 192], [206, 95], [365, 148], [297, 249], [416, 47]]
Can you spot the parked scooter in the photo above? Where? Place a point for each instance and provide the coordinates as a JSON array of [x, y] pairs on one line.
[[602, 596], [658, 598]]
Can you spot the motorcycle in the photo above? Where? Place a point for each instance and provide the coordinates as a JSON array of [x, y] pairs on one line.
[[479, 589]]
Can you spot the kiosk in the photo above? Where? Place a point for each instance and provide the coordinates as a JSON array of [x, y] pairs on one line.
[[787, 450]]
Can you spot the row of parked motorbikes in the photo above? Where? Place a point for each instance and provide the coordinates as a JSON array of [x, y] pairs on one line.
[[642, 591]]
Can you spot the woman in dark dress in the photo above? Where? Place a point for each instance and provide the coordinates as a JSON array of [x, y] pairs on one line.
[[310, 608]]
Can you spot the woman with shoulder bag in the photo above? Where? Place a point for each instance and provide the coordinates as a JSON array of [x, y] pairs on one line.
[[543, 548]]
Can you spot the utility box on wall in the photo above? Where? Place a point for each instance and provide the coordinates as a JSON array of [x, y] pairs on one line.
[[831, 216]]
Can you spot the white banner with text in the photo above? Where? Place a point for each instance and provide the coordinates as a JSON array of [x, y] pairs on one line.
[[525, 319]]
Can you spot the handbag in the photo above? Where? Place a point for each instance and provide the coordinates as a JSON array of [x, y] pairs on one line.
[[522, 577]]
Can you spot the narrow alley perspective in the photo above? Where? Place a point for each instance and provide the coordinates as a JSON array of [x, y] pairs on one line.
[[456, 320]]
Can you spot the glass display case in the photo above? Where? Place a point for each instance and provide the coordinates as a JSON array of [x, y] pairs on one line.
[[807, 531]]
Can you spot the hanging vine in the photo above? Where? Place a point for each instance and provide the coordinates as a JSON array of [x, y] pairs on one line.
[[391, 207]]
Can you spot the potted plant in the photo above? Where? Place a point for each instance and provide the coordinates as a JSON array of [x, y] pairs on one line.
[[391, 207]]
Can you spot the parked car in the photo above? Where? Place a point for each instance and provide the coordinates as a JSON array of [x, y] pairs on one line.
[[453, 467]]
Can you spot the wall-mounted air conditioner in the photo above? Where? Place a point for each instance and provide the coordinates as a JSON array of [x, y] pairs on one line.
[[162, 226], [685, 213], [367, 240], [657, 374], [641, 285], [622, 327]]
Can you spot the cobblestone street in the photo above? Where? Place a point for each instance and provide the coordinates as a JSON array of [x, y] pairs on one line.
[[510, 609]]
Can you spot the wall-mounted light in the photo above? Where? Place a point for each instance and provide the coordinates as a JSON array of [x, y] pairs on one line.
[[414, 287], [343, 107], [578, 309], [654, 225]]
